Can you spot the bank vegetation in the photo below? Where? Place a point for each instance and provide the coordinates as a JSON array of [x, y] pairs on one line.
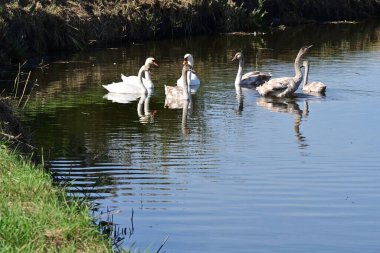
[[30, 27]]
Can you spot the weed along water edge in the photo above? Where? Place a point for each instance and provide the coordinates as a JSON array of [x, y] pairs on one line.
[[36, 216]]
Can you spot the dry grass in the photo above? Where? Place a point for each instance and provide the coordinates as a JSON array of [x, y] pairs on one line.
[[30, 26], [40, 26]]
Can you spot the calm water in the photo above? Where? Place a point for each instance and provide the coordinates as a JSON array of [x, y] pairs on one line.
[[237, 175]]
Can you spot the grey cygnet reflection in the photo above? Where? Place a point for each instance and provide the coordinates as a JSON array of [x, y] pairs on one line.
[[240, 101], [186, 105], [287, 105]]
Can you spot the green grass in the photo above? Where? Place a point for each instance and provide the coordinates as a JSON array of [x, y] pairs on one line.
[[35, 216]]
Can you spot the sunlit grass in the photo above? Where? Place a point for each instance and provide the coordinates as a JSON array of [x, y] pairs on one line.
[[35, 216]]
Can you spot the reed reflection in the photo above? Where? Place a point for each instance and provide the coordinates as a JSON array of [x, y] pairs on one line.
[[288, 105]]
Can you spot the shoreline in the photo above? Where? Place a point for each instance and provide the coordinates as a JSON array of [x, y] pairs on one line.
[[35, 214], [34, 28]]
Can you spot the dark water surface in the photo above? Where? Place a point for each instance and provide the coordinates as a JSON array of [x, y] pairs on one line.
[[242, 175]]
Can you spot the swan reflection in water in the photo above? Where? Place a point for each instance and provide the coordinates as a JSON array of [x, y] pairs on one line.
[[121, 98], [287, 105], [143, 110], [179, 97], [185, 105], [240, 102], [145, 115]]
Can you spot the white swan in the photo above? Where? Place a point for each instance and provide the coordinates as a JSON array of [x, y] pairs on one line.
[[194, 80], [135, 84], [249, 80], [176, 95], [284, 86], [313, 87], [147, 81]]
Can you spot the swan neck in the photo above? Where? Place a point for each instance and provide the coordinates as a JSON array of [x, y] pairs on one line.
[[147, 75], [186, 87], [141, 78], [297, 66], [239, 72], [306, 77]]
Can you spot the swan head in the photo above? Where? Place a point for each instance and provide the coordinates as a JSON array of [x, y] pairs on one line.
[[151, 61], [188, 59], [304, 49], [238, 56]]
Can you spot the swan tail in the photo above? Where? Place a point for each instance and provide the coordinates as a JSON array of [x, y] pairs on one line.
[[106, 86], [166, 89], [261, 90]]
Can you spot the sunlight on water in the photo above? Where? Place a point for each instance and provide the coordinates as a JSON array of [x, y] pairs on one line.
[[230, 174]]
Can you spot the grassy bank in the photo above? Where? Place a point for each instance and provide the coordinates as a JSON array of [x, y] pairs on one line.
[[35, 216], [30, 27]]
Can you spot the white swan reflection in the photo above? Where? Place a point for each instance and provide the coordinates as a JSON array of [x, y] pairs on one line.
[[287, 105], [143, 109], [121, 98]]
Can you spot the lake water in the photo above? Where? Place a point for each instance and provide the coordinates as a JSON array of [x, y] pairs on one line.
[[246, 174]]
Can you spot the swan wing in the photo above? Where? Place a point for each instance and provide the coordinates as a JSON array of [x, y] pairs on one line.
[[315, 87], [123, 87], [173, 103], [254, 79], [273, 86], [129, 79]]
